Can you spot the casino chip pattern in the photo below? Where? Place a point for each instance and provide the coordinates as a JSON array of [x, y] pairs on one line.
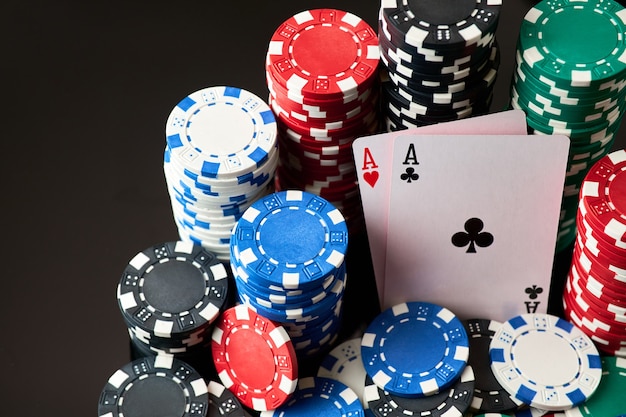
[[595, 290], [321, 71], [264, 197], [169, 295], [221, 155], [440, 60], [288, 259], [569, 79]]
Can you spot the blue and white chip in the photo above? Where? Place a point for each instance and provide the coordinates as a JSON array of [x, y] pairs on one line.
[[293, 239], [415, 349], [545, 361]]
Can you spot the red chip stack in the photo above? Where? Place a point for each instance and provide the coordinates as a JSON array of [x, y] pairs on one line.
[[321, 71], [595, 294]]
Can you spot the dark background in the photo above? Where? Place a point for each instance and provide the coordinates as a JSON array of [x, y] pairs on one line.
[[86, 88]]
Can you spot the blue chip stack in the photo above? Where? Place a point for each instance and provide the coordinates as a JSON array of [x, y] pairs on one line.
[[221, 155], [287, 254]]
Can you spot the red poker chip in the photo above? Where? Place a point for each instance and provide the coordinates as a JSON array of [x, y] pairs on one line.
[[321, 149], [254, 358], [311, 140], [602, 339], [331, 110], [614, 276], [352, 128], [324, 53], [587, 231], [600, 256], [603, 193], [596, 287], [331, 122], [323, 104], [612, 312], [593, 312]]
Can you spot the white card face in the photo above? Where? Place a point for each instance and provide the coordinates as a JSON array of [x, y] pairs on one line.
[[373, 156], [473, 222]]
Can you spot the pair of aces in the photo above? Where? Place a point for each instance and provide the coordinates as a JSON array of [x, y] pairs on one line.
[[464, 214]]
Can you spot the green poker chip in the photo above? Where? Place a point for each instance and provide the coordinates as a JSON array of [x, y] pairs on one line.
[[608, 400], [575, 43]]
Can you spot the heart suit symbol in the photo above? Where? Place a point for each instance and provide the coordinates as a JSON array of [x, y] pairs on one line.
[[371, 178]]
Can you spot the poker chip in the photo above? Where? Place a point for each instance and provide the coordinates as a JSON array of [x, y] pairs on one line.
[[569, 79], [322, 71], [221, 154], [594, 295], [254, 358], [563, 373], [169, 295], [344, 364], [489, 396], [606, 401], [415, 349], [450, 402], [159, 385], [288, 259], [440, 60], [222, 402], [317, 396]]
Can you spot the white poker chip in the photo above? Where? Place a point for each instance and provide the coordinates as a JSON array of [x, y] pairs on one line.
[[545, 361], [344, 364], [221, 132]]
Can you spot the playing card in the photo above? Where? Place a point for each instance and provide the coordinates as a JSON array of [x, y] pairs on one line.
[[372, 155], [473, 222]]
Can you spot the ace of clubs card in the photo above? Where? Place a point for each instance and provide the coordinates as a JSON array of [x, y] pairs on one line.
[[473, 221]]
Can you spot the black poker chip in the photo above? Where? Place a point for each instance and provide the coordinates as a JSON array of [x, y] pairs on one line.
[[489, 395], [158, 386], [223, 402], [170, 294], [450, 402]]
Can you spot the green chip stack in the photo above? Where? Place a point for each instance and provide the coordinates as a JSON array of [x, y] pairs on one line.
[[569, 79]]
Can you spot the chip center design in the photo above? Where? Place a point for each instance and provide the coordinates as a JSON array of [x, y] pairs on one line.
[[250, 357], [291, 236], [220, 129], [555, 354], [335, 44], [174, 286], [593, 35]]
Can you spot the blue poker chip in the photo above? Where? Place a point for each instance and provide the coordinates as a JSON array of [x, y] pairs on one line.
[[415, 349], [318, 396], [292, 239]]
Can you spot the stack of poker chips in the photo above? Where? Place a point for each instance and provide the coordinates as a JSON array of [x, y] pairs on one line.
[[221, 155], [287, 257], [595, 291], [415, 359], [169, 296], [418, 358], [441, 60], [569, 79], [322, 73]]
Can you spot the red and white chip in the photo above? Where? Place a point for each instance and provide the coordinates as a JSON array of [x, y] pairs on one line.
[[254, 358]]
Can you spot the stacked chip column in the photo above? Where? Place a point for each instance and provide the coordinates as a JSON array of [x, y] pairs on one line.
[[441, 60], [321, 71], [287, 256], [569, 79], [220, 156]]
